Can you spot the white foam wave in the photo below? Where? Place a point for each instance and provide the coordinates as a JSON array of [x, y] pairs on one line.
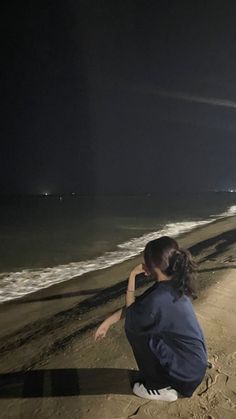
[[16, 284], [230, 211]]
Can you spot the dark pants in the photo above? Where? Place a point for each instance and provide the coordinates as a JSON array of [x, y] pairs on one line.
[[152, 374]]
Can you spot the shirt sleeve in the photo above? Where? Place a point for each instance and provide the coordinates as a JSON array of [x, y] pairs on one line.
[[140, 318]]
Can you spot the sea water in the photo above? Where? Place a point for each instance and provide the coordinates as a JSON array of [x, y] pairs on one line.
[[50, 239]]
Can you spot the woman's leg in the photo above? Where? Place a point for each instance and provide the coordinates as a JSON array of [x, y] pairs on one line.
[[152, 374]]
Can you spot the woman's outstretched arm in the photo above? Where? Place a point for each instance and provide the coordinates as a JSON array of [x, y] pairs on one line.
[[106, 324], [115, 317]]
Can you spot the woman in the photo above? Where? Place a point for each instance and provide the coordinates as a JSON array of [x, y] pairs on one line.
[[161, 326]]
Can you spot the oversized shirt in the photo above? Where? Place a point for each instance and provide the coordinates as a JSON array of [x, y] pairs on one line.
[[175, 335]]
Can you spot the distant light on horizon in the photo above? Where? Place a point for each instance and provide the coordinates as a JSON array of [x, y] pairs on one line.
[[225, 190]]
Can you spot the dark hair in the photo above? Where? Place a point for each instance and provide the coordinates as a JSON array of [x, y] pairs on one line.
[[173, 261]]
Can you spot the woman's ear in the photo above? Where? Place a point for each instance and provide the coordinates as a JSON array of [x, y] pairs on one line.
[[146, 271]]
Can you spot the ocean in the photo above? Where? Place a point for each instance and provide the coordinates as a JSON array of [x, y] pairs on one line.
[[50, 239]]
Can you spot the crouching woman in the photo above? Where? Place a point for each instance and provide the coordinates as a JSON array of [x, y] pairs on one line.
[[161, 326]]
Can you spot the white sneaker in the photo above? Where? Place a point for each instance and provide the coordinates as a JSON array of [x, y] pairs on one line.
[[167, 394]]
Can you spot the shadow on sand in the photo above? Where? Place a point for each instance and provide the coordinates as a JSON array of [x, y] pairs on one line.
[[67, 382]]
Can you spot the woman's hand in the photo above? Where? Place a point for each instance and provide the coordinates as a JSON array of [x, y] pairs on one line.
[[139, 269], [106, 324], [101, 331], [130, 297]]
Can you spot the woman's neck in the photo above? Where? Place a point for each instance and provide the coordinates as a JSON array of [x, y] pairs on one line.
[[161, 277]]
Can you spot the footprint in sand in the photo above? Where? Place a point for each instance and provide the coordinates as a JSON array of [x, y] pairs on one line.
[[231, 358], [231, 384], [213, 360]]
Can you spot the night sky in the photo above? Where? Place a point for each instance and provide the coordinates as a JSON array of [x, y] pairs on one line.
[[118, 96]]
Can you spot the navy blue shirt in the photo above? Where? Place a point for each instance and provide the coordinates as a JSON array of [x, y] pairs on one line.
[[175, 335]]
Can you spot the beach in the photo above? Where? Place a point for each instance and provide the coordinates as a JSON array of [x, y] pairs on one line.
[[51, 367]]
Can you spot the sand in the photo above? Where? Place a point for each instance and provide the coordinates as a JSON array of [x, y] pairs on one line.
[[51, 367]]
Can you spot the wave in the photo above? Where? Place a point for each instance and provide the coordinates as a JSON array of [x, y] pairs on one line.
[[17, 284], [230, 211]]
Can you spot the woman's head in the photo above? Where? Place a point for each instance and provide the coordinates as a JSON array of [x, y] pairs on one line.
[[164, 255]]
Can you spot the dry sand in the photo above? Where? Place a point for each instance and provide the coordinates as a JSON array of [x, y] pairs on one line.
[[51, 367]]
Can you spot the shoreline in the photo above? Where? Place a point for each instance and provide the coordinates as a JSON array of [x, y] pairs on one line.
[[65, 295], [183, 238], [28, 281], [99, 288]]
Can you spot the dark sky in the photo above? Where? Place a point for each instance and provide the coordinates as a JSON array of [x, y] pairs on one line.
[[118, 96]]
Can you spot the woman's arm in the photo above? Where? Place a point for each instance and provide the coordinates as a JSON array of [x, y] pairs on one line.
[[114, 318], [130, 296], [106, 324]]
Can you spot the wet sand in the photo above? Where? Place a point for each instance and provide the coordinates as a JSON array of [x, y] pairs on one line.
[[51, 367]]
